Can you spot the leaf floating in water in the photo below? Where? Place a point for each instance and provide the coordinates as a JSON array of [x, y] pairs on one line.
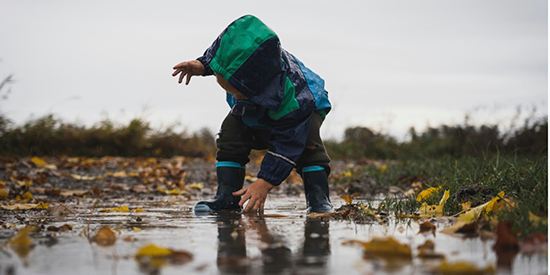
[[386, 248], [21, 243], [427, 251], [462, 267], [154, 257], [105, 237], [427, 227]]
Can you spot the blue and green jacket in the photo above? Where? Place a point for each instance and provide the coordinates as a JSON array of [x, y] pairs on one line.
[[282, 92]]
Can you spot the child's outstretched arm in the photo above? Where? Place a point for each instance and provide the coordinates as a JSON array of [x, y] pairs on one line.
[[189, 68]]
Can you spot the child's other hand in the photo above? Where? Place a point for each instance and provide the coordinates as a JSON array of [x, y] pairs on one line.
[[189, 68], [255, 194]]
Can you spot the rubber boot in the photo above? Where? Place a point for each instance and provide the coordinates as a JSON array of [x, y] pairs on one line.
[[230, 179], [316, 189]]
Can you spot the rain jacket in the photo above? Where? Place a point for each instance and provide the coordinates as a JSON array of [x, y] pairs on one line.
[[282, 93]]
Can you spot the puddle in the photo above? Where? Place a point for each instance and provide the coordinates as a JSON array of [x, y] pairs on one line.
[[232, 243]]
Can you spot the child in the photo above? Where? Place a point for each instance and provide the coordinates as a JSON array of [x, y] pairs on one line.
[[276, 103]]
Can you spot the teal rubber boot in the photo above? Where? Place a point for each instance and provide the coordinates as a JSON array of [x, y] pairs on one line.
[[316, 189], [230, 179]]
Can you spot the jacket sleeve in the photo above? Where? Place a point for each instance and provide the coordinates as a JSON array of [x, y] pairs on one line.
[[209, 54], [288, 137]]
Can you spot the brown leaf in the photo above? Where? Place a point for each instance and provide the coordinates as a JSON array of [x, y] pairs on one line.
[[62, 228], [105, 236], [427, 251], [506, 245], [427, 227]]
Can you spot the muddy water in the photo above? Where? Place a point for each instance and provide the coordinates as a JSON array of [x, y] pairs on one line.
[[235, 244]]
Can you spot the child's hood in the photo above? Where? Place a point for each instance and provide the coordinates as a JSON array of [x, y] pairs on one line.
[[248, 55]]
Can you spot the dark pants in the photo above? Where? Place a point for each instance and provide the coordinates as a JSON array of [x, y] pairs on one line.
[[235, 141]]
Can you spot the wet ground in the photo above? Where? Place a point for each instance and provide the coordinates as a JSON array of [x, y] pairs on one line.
[[87, 196], [284, 241]]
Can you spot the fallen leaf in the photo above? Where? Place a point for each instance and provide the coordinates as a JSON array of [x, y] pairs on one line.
[[427, 194], [462, 267], [105, 236], [122, 208], [466, 206], [86, 178], [386, 248], [76, 193], [427, 227], [62, 228], [21, 243], [155, 257], [25, 206], [196, 185], [349, 198], [434, 210], [61, 210], [139, 209], [137, 229], [534, 219], [427, 251], [42, 163], [473, 214]]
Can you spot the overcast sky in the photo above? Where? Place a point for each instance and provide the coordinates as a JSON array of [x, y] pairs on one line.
[[388, 65]]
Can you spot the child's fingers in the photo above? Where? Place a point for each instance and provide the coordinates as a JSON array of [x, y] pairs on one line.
[[181, 76], [239, 192]]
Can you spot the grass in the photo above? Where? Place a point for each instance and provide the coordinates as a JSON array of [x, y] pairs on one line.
[[523, 179]]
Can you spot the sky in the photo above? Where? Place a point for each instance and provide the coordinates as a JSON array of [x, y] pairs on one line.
[[387, 65]]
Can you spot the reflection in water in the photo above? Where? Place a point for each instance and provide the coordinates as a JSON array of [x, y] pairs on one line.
[[231, 244], [316, 248], [277, 257]]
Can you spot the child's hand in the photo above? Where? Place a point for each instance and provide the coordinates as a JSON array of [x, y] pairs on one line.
[[189, 68], [255, 194]]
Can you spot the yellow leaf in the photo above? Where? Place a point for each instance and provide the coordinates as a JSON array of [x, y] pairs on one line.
[[79, 177], [20, 206], [42, 163], [38, 161], [152, 250], [434, 210], [474, 213], [427, 194], [196, 185], [466, 206], [139, 209], [383, 168], [137, 229], [3, 194], [463, 268], [534, 219], [26, 184], [348, 198], [387, 248], [21, 243], [27, 196], [105, 236], [119, 174], [43, 205]]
